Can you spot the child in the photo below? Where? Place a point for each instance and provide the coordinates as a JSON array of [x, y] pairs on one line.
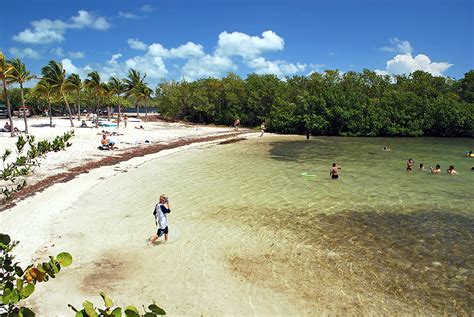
[[162, 209]]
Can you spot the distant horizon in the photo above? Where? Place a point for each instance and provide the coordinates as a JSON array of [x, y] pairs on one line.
[[175, 40]]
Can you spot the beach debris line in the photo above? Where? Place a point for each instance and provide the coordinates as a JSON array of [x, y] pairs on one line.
[[110, 310], [17, 283], [14, 171]]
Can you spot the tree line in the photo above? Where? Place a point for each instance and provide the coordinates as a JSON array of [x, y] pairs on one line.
[[330, 103], [349, 104]]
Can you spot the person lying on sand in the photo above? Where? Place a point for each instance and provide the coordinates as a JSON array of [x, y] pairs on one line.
[[140, 127], [8, 128]]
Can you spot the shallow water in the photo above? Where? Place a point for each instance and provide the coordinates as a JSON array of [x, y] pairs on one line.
[[378, 240], [378, 231]]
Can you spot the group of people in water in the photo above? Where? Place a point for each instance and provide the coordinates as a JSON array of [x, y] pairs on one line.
[[433, 170]]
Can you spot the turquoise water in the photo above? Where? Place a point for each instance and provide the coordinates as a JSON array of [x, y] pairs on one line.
[[378, 231]]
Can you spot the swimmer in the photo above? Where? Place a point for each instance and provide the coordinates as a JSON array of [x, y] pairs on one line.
[[410, 163], [334, 172], [386, 148], [422, 168], [451, 170], [436, 170]]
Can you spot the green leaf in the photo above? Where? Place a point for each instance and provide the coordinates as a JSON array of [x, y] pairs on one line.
[[5, 239], [148, 314], [14, 297], [156, 309], [117, 312], [26, 312], [64, 258], [88, 307], [6, 295], [131, 311], [27, 290], [107, 301], [19, 283]]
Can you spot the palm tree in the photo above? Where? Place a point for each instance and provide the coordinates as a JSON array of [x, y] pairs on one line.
[[93, 82], [5, 69], [117, 87], [107, 93], [44, 88], [55, 74], [144, 92], [19, 74], [132, 82], [75, 83]]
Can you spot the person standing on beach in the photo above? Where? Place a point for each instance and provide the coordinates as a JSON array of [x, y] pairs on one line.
[[125, 119], [237, 124], [262, 128], [162, 209], [334, 172]]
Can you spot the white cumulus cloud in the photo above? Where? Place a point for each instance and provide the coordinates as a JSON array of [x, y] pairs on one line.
[[25, 53], [113, 59], [406, 64], [76, 55], [185, 51], [47, 31], [278, 67], [207, 66], [246, 46], [128, 15], [136, 44]]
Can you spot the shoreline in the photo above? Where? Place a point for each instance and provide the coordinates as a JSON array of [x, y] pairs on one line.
[[126, 155]]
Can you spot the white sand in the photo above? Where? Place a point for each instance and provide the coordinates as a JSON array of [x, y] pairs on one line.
[[85, 142], [188, 276]]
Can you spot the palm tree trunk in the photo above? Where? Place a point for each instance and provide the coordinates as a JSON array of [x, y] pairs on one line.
[[138, 110], [97, 111], [119, 114], [24, 108], [78, 103], [146, 111], [68, 110], [108, 112], [50, 114], [9, 109]]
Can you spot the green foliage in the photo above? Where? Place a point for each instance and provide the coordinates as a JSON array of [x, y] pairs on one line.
[[110, 310], [355, 104], [23, 165], [17, 284]]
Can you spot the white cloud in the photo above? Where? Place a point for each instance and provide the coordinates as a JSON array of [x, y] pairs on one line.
[[398, 46], [25, 53], [246, 46], [278, 67], [69, 66], [185, 51], [207, 66], [113, 59], [128, 15], [153, 66], [47, 31], [146, 8], [76, 55], [406, 64], [136, 44]]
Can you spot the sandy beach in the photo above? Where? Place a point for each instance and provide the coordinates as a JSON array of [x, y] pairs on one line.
[[131, 141], [198, 280]]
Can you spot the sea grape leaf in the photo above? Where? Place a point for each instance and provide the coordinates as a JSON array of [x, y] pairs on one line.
[[157, 310], [64, 258]]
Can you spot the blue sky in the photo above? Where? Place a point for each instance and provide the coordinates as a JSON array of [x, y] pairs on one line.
[[175, 39]]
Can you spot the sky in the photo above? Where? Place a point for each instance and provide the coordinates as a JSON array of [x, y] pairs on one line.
[[177, 39]]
